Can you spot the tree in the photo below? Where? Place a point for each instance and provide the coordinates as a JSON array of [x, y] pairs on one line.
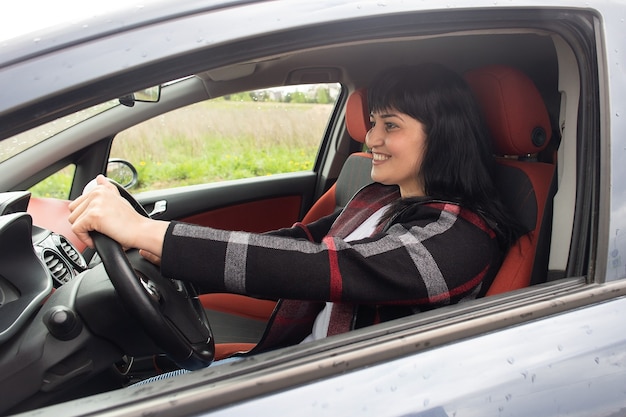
[[322, 96]]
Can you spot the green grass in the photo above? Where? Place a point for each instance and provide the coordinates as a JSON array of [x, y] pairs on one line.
[[214, 141], [55, 186]]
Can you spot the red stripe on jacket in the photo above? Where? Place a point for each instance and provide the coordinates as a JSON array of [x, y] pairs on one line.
[[336, 284]]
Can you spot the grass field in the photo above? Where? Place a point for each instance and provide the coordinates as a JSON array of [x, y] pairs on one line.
[[215, 141]]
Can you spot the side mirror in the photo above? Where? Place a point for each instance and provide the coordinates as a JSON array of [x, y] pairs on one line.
[[122, 172], [147, 95]]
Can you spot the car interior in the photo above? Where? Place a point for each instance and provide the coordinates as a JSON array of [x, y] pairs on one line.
[[526, 184], [525, 79]]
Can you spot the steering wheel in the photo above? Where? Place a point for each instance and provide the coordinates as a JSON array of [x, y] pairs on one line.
[[168, 310]]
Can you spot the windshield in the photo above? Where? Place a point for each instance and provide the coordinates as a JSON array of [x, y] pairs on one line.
[[18, 143]]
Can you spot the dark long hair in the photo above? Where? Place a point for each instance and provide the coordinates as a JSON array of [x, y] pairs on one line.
[[458, 162]]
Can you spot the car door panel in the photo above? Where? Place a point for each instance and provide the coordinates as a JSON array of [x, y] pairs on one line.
[[253, 216], [254, 204]]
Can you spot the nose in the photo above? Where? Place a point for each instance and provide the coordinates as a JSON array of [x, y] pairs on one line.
[[374, 137]]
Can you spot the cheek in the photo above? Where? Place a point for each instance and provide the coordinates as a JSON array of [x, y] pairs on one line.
[[416, 168], [418, 156]]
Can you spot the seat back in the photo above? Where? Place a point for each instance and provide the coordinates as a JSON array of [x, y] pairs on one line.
[[355, 172], [518, 121]]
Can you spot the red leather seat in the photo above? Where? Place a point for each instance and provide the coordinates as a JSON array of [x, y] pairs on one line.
[[519, 124], [355, 172]]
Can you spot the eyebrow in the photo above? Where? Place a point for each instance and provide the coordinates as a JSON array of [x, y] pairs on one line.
[[387, 115]]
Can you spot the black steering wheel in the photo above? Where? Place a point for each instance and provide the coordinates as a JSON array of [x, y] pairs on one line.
[[168, 310]]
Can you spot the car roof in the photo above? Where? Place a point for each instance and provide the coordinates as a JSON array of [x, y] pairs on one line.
[[119, 43], [140, 47], [68, 21]]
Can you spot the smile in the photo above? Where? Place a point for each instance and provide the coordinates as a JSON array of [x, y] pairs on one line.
[[380, 157]]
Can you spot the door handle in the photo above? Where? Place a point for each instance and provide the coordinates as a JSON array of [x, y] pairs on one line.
[[159, 208]]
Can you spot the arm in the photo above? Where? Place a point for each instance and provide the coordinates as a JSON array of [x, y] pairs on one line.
[[313, 232], [103, 210], [434, 260]]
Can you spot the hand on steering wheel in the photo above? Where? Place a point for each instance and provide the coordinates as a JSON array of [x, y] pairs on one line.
[[168, 310]]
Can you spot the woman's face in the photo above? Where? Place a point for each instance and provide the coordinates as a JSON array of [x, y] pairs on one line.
[[398, 143]]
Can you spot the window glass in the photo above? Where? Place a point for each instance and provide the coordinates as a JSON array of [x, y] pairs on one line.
[[249, 134], [18, 143], [57, 185]]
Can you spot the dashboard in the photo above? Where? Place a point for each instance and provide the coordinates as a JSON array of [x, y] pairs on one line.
[[33, 261], [14, 202]]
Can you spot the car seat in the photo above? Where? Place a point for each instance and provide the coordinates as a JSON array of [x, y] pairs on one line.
[[519, 124], [355, 172]]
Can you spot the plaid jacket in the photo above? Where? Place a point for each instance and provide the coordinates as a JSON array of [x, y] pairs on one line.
[[430, 254]]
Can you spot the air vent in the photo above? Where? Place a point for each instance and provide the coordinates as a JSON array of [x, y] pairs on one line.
[[61, 272], [75, 257]]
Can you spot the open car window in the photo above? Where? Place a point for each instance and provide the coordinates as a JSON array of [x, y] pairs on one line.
[[243, 135]]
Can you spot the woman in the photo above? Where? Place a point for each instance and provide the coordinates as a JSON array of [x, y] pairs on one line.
[[428, 232]]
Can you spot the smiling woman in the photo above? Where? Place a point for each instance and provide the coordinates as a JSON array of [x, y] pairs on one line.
[[395, 137]]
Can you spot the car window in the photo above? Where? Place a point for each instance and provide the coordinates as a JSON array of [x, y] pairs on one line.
[[57, 185], [30, 138], [243, 135]]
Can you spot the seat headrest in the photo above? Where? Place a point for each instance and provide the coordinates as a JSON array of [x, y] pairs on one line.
[[358, 115], [513, 109]]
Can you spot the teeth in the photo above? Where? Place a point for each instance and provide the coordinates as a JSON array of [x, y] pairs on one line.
[[380, 157]]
